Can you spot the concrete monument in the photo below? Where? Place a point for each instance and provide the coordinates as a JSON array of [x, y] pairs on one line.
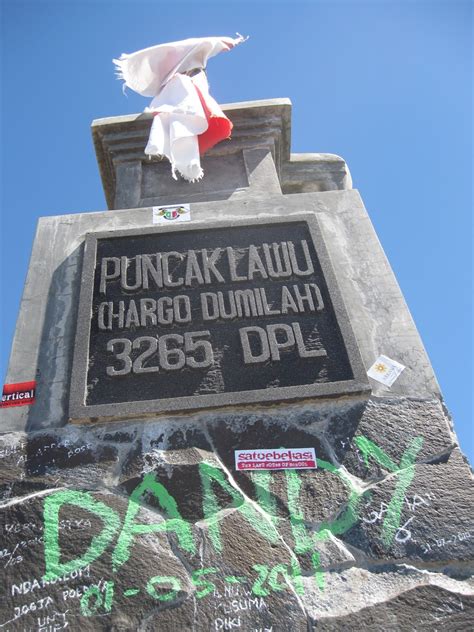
[[199, 446]]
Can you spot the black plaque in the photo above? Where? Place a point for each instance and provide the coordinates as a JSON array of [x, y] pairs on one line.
[[184, 318]]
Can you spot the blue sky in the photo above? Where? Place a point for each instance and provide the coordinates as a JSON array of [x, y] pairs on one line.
[[387, 85]]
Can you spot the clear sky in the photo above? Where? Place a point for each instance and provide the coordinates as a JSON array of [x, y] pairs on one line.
[[385, 84]]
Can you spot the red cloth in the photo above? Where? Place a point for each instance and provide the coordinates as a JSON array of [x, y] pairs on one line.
[[219, 126]]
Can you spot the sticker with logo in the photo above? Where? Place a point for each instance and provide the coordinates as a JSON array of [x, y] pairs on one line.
[[385, 370], [171, 214], [281, 459]]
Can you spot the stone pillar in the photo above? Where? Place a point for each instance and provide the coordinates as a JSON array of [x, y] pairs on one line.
[[161, 350]]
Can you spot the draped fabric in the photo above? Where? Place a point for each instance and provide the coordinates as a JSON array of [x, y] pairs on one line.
[[187, 120]]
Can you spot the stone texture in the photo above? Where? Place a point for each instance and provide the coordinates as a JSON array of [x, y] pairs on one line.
[[418, 609], [287, 553], [392, 423], [390, 598], [435, 491], [308, 173]]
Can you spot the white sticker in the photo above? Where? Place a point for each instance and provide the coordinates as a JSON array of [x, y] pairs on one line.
[[171, 214], [385, 370], [281, 459]]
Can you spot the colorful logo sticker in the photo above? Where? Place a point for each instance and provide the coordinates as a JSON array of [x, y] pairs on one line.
[[20, 394], [167, 214]]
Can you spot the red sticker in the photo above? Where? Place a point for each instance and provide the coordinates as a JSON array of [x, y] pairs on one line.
[[21, 394]]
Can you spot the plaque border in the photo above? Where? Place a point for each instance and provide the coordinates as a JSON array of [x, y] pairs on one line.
[[79, 412]]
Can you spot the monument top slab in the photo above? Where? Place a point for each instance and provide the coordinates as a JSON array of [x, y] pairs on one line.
[[258, 161]]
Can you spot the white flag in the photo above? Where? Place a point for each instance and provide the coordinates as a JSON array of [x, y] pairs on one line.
[[187, 120]]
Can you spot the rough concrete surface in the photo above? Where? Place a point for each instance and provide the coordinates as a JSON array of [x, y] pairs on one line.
[[378, 537]]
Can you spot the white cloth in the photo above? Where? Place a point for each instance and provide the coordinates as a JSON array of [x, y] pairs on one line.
[[147, 71], [182, 104], [174, 133]]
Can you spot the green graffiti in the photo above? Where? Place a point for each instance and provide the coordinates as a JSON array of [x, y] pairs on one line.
[[345, 521], [405, 476], [306, 542], [257, 587], [318, 574], [232, 579], [291, 575], [273, 577], [131, 592], [261, 481], [303, 542], [168, 596], [97, 601], [405, 473], [296, 578], [350, 516], [89, 610], [292, 578], [130, 528], [306, 537], [211, 508], [372, 450], [109, 595], [52, 554], [204, 584]]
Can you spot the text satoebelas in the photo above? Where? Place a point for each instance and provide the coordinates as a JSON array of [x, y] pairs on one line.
[[206, 267], [276, 454]]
